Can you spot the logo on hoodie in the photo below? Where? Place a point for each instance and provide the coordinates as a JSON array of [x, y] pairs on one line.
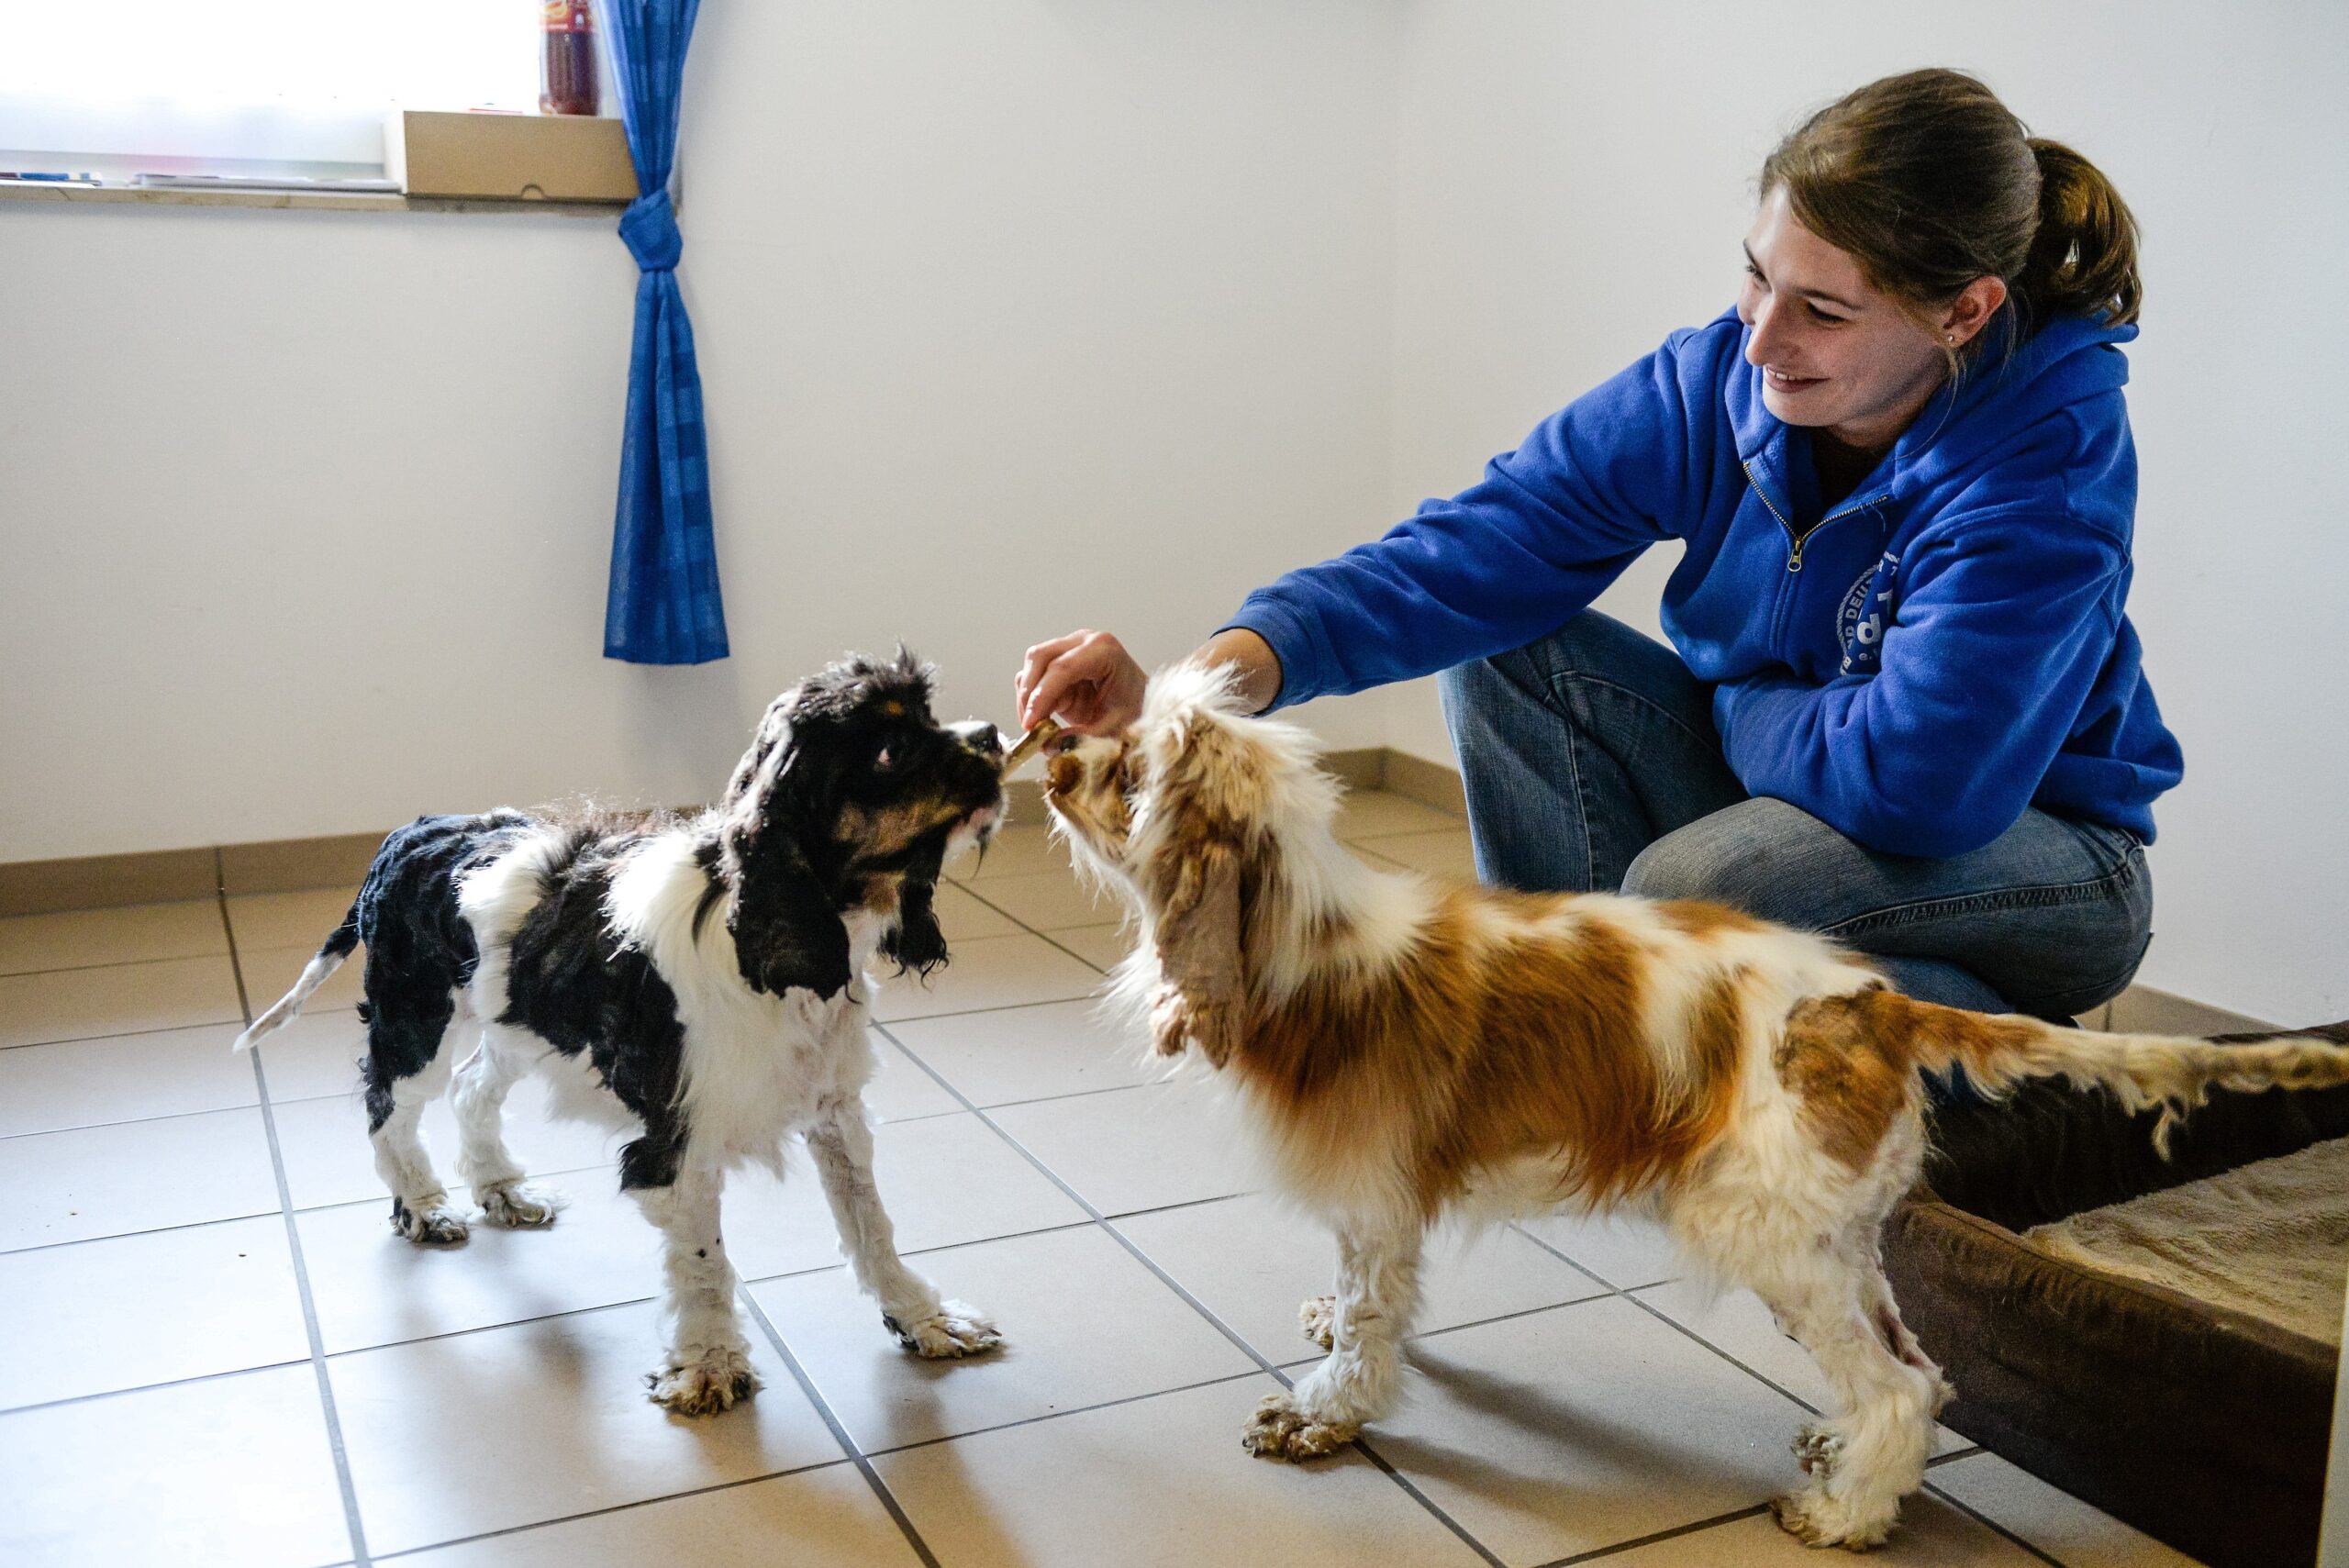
[[1861, 618]]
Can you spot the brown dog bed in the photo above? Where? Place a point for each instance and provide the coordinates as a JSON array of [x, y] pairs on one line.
[[2202, 1424]]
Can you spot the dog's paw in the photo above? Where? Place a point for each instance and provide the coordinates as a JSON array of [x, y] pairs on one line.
[[1280, 1430], [953, 1330], [432, 1224], [1816, 1519], [517, 1207], [713, 1381], [1817, 1448], [1318, 1315]]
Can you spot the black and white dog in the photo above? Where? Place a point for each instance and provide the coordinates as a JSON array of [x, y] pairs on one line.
[[706, 973]]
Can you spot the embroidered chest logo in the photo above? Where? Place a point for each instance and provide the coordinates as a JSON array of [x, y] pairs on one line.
[[1860, 621]]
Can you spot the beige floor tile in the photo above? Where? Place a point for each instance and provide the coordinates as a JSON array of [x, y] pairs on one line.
[[1737, 1323], [1372, 814], [944, 1180], [1103, 946], [1931, 1535], [1579, 1427], [233, 1471], [301, 920], [1160, 1483], [123, 1313], [1627, 1250], [961, 917], [328, 1158], [900, 1090], [1052, 901], [132, 934], [1021, 849], [2075, 1533], [816, 1518], [1082, 1323], [269, 973], [1032, 1054], [1252, 1261], [372, 1286], [1134, 1149], [116, 998], [1446, 855], [80, 1083], [316, 1055], [142, 1175], [515, 1426], [993, 971]]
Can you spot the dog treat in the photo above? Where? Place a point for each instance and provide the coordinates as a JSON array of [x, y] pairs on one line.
[[1044, 734]]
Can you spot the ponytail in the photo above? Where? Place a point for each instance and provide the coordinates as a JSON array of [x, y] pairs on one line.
[[2083, 259]]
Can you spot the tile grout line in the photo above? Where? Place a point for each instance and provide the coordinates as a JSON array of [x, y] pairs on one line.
[[1694, 1527], [612, 1508], [1978, 1516], [848, 1445], [1151, 1264], [64, 1401], [301, 1274]]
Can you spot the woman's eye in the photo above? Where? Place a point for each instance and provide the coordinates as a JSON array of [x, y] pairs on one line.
[[1828, 317], [1755, 272]]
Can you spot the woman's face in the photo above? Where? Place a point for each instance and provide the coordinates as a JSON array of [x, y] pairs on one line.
[[1834, 352]]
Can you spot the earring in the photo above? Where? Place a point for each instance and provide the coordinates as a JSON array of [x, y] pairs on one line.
[[1953, 339]]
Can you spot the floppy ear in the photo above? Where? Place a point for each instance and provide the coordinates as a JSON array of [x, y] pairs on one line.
[[916, 942], [1195, 918], [785, 930]]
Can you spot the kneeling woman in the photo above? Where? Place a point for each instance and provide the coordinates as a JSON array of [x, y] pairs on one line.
[[1902, 703]]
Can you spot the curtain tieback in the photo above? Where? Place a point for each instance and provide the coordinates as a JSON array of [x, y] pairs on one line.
[[649, 228]]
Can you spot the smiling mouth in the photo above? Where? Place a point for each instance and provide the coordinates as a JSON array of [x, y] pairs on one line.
[[1785, 382]]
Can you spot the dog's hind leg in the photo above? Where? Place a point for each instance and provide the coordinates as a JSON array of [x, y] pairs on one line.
[[420, 1208], [1377, 1297], [1872, 1455], [841, 1146], [482, 1159]]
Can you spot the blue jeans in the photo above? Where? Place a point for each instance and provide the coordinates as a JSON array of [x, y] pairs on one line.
[[1592, 765]]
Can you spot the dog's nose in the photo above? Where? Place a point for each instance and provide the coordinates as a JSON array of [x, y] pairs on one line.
[[980, 736]]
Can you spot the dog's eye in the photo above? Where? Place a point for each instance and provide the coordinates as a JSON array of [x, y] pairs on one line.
[[885, 758]]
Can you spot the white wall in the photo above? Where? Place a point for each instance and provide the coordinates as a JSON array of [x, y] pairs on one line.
[[1002, 308], [1573, 183], [1021, 314]]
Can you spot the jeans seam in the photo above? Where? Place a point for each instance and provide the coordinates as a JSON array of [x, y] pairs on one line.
[[2047, 897], [1713, 741]]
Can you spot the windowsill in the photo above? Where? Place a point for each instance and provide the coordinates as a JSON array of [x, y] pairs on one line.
[[322, 201]]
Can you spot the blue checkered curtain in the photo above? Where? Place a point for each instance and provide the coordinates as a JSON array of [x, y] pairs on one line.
[[664, 607]]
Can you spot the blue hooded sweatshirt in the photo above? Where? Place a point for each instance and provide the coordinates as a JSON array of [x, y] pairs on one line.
[[1944, 648]]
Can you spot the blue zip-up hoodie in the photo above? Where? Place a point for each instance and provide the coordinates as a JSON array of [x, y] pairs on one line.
[[1943, 649]]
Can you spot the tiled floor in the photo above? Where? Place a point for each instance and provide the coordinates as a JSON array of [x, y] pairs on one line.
[[214, 1351]]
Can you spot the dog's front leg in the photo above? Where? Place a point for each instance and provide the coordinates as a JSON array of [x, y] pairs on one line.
[[708, 1364], [842, 1145], [1377, 1297]]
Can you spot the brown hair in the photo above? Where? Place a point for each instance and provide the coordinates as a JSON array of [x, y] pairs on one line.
[[1931, 182]]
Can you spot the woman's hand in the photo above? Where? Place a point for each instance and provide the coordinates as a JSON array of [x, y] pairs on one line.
[[1086, 678], [1091, 684]]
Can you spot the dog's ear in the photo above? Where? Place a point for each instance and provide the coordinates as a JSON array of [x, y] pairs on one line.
[[1197, 908], [916, 942], [785, 928]]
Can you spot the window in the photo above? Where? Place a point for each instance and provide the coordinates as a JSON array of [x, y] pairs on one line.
[[121, 87]]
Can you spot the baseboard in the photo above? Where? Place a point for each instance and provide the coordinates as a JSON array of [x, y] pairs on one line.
[[2148, 1010]]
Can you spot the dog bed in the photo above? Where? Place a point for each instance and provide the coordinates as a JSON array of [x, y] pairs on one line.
[[2200, 1421]]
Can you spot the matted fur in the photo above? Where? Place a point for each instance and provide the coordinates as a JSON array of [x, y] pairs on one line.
[[1407, 1052]]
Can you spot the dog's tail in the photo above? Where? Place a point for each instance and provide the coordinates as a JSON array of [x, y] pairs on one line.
[[2141, 1070], [338, 946]]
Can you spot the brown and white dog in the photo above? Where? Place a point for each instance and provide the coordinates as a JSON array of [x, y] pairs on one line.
[[1407, 1052]]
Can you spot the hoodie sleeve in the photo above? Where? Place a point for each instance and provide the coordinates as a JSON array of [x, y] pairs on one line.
[[1993, 648], [1552, 524]]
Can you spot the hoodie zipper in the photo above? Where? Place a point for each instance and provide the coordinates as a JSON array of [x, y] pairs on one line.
[[1795, 541]]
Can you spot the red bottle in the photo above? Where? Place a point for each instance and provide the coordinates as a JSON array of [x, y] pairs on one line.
[[567, 63]]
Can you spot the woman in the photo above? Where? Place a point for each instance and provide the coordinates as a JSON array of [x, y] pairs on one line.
[[1902, 704]]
